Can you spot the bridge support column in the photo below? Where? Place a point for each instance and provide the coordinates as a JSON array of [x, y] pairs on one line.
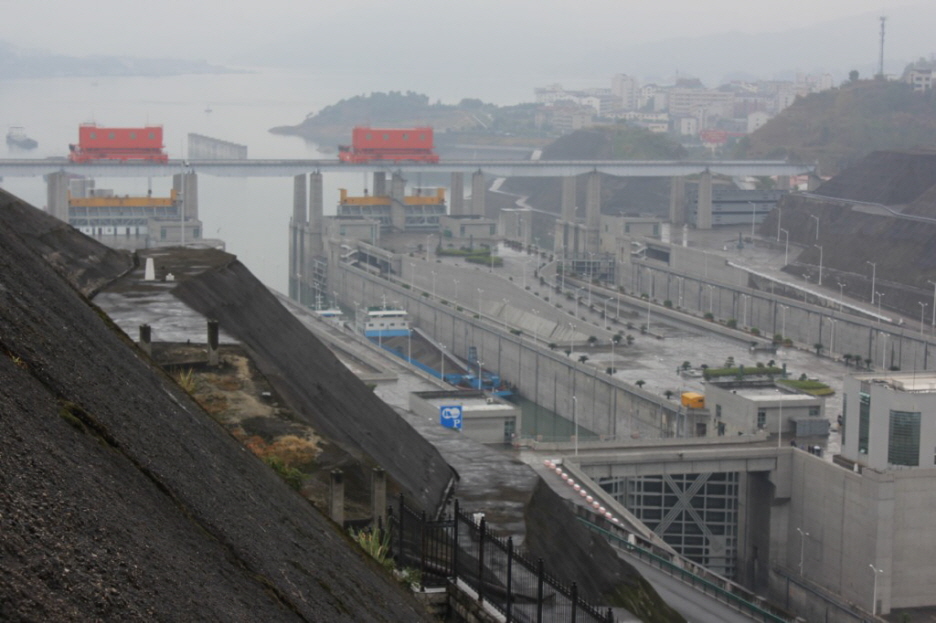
[[398, 202], [186, 184], [315, 245], [57, 195], [380, 184], [457, 195], [297, 226], [478, 189], [592, 213], [677, 201], [704, 207]]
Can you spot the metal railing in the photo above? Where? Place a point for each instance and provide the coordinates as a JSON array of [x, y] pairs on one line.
[[461, 548], [741, 603]]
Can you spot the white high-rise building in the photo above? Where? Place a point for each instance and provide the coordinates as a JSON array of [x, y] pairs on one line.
[[626, 89]]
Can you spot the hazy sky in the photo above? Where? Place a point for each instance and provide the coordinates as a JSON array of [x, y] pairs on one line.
[[220, 31]]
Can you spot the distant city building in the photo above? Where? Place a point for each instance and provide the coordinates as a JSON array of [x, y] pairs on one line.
[[920, 79], [626, 89], [756, 120]]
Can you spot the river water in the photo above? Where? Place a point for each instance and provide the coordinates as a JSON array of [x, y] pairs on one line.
[[251, 215]]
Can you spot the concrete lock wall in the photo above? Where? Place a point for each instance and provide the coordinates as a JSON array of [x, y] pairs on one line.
[[604, 406], [705, 283]]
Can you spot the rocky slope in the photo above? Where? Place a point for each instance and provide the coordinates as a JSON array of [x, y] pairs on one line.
[[119, 498]]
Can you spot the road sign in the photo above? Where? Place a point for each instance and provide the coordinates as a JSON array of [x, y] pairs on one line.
[[451, 416]]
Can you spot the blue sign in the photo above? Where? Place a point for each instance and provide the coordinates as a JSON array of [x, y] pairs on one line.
[[451, 417]]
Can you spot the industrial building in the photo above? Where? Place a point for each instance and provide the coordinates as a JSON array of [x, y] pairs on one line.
[[484, 417]]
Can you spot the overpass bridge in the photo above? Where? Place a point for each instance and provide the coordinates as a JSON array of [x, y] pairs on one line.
[[497, 168]]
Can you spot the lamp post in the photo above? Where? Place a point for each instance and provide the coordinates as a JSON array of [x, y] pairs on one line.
[[873, 273], [874, 590], [922, 310], [802, 544], [575, 423], [820, 264], [841, 294], [480, 363], [786, 251], [817, 224], [433, 283], [779, 217], [934, 301], [753, 218]]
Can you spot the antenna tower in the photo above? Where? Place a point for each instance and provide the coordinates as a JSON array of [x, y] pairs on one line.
[[881, 58]]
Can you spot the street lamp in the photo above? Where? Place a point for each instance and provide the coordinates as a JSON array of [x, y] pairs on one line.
[[934, 301], [803, 536], [753, 217], [922, 309], [874, 591], [873, 273], [786, 252], [779, 216], [817, 224], [575, 423], [820, 264]]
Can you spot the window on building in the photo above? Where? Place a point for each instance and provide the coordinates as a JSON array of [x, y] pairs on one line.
[[761, 418], [903, 441], [864, 422]]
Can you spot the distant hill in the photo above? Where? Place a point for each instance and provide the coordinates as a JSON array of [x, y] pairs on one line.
[[840, 126], [17, 63]]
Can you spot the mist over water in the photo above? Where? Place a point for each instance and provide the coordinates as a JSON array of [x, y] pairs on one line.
[[250, 214]]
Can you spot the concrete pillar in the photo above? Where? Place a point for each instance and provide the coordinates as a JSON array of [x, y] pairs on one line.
[[146, 344], [336, 497], [592, 212], [457, 199], [380, 184], [704, 213], [379, 496], [213, 343], [397, 202], [314, 243], [678, 201], [149, 272], [186, 185], [296, 238], [568, 199], [478, 190], [57, 195]]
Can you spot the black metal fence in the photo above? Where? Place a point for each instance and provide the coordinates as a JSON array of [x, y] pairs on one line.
[[459, 548]]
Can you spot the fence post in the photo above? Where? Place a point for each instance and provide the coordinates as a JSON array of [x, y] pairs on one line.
[[481, 562], [422, 545], [574, 599], [539, 590], [390, 531], [455, 545], [402, 512], [509, 578]]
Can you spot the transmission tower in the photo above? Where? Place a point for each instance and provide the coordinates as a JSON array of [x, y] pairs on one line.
[[881, 58]]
